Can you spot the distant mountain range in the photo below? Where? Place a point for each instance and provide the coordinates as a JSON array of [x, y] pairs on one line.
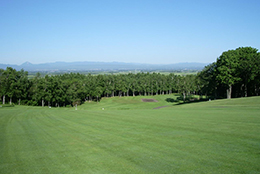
[[102, 66]]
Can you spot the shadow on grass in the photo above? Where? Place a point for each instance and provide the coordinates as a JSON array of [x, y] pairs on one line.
[[171, 100], [191, 101], [179, 100]]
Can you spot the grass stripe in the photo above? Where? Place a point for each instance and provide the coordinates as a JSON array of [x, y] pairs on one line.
[[193, 138]]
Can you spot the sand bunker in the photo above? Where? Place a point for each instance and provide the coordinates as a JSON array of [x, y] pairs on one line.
[[149, 100]]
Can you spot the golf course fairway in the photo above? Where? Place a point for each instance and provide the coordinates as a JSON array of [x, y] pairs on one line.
[[129, 136]]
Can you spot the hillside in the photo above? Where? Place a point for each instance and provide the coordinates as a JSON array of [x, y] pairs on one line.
[[129, 103], [169, 102]]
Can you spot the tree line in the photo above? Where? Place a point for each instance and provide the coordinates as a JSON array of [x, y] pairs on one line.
[[75, 88], [236, 73]]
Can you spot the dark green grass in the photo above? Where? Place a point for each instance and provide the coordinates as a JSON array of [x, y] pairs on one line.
[[220, 136]]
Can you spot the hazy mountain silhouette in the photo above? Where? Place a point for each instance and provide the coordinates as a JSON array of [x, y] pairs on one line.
[[102, 66]]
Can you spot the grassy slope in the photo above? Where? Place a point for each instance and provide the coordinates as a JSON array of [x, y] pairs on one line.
[[209, 137], [130, 103]]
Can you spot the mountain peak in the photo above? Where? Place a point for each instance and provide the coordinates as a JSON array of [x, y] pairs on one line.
[[26, 63]]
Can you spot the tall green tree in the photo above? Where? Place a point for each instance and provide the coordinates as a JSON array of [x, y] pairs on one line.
[[22, 85], [227, 70], [10, 77], [35, 90], [248, 66], [206, 80], [2, 91]]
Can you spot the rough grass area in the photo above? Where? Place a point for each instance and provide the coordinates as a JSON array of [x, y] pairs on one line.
[[208, 137]]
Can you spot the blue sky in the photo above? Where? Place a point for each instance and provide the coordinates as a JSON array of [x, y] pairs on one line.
[[139, 31]]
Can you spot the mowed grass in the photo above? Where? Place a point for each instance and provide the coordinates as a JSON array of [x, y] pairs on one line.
[[131, 103], [221, 136]]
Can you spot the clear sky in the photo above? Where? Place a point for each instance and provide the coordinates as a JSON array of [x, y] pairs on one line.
[[139, 31]]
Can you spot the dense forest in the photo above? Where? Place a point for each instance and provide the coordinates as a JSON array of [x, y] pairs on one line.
[[236, 73]]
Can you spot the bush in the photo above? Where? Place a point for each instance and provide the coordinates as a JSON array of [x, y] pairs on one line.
[[24, 102], [32, 103], [76, 102], [7, 105]]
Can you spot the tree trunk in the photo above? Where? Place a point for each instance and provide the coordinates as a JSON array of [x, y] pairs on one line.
[[241, 89], [256, 90], [215, 93], [245, 90], [3, 99], [229, 91], [42, 103], [19, 101], [10, 100]]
